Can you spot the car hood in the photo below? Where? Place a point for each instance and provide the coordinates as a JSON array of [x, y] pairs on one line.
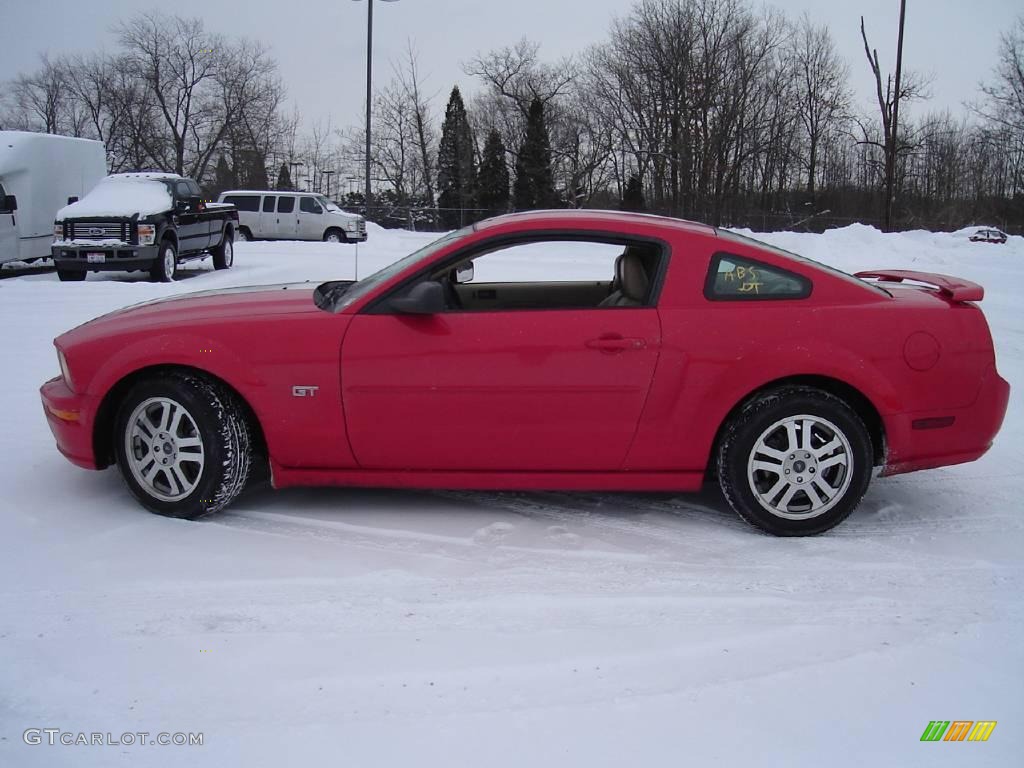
[[203, 307]]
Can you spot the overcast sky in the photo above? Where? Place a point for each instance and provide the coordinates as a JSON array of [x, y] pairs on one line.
[[320, 44]]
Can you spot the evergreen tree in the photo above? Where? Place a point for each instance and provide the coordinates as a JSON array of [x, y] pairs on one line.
[[252, 170], [284, 179], [223, 178], [633, 195], [492, 179], [456, 172], [534, 186]]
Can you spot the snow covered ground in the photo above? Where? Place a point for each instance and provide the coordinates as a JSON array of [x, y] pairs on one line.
[[390, 628]]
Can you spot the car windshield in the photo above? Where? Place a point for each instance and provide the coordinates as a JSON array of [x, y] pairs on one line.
[[348, 293], [327, 203]]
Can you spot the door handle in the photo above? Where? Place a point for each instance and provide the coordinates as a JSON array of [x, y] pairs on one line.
[[615, 343]]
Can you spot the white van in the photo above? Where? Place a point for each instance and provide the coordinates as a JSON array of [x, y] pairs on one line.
[[39, 174], [293, 216]]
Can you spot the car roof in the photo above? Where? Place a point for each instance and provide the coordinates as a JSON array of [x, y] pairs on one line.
[[581, 217], [269, 192]]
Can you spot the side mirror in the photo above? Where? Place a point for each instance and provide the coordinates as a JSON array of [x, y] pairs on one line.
[[10, 203], [464, 273], [426, 298], [182, 205], [72, 199]]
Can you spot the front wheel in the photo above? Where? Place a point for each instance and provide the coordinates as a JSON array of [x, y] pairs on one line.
[[182, 445], [166, 266], [334, 236], [795, 461]]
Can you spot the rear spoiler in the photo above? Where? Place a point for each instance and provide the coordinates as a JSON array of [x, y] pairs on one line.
[[952, 287]]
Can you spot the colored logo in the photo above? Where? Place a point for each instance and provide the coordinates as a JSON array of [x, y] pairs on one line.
[[958, 730]]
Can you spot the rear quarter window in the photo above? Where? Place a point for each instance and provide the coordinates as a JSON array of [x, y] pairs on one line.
[[738, 278]]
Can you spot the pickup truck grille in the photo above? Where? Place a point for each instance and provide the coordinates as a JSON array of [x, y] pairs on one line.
[[81, 230], [361, 227]]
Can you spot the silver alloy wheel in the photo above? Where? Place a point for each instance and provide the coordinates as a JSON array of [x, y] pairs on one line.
[[164, 449], [333, 237], [800, 467], [229, 253], [170, 261]]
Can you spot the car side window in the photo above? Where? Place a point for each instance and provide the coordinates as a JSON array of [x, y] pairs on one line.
[[243, 202], [181, 190], [285, 204], [554, 273], [309, 205], [738, 278], [268, 203]]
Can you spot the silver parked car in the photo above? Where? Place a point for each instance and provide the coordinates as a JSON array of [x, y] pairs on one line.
[[270, 215]]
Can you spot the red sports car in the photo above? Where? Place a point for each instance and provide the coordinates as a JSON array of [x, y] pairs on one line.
[[676, 352]]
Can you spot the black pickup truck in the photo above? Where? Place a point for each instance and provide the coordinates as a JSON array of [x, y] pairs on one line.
[[142, 221]]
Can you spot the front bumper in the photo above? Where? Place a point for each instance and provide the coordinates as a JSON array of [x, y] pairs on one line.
[[116, 258], [70, 417], [967, 438]]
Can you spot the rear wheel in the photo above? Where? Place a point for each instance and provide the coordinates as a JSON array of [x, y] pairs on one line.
[[224, 254], [70, 275], [182, 445], [334, 235], [244, 235], [166, 266], [795, 461]]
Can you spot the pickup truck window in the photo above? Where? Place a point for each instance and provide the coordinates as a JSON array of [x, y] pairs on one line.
[[181, 190]]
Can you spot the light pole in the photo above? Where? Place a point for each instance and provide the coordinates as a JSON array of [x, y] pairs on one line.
[[328, 174], [294, 164], [369, 93]]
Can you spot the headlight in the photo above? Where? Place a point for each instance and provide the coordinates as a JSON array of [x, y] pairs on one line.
[[64, 369], [147, 234], [58, 231], [351, 226]]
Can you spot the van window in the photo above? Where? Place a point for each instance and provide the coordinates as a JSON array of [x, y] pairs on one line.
[[309, 205], [285, 204], [268, 203], [244, 202]]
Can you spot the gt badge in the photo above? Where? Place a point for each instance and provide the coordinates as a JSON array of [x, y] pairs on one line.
[[304, 391]]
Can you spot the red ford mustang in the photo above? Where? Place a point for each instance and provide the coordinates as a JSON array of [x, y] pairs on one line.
[[678, 352]]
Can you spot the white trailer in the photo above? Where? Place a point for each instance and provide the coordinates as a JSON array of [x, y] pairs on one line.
[[39, 172]]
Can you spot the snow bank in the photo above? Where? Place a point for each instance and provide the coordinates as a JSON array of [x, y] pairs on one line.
[[118, 197]]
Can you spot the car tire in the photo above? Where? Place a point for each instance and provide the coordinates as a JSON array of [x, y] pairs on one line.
[[71, 275], [224, 254], [244, 235], [335, 235], [166, 265], [183, 445], [822, 451]]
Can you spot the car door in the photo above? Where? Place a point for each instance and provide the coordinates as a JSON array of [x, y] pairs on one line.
[[193, 228], [519, 389], [8, 230], [286, 220], [267, 223], [311, 219]]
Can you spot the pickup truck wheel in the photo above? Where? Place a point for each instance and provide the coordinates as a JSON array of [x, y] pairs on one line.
[[224, 254], [70, 275], [166, 266], [334, 236], [183, 445], [795, 461]]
